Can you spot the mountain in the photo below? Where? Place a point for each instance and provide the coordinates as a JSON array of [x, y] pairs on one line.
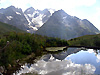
[[30, 20], [64, 26], [8, 28], [55, 24], [14, 16], [37, 18]]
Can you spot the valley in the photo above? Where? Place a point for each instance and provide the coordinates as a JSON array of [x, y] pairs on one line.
[[30, 37]]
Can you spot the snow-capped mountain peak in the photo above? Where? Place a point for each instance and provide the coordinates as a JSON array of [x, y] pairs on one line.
[[30, 20], [29, 10], [37, 18], [51, 10]]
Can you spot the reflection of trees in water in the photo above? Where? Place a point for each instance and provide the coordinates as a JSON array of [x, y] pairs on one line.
[[54, 64], [96, 51], [61, 55]]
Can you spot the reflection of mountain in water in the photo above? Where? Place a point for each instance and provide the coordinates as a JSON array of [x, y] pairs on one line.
[[62, 55], [71, 62]]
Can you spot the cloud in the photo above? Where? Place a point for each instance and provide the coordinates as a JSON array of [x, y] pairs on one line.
[[95, 18], [85, 2], [98, 60], [55, 4], [20, 3], [63, 67], [4, 3]]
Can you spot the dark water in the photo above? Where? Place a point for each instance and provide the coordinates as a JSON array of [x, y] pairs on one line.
[[71, 62]]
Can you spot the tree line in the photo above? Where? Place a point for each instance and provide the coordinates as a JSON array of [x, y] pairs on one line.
[[14, 46]]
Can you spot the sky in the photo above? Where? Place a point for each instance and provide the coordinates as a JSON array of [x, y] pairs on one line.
[[83, 9]]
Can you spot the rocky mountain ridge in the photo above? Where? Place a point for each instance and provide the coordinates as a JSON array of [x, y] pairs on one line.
[[64, 26], [30, 20], [47, 22]]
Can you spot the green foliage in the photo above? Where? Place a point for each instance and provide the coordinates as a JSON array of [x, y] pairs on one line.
[[2, 42], [53, 42], [22, 44], [88, 40]]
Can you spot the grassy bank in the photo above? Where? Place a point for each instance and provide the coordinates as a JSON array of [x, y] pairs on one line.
[[88, 40]]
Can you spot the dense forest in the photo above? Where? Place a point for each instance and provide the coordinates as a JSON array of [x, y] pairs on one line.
[[16, 46], [87, 40]]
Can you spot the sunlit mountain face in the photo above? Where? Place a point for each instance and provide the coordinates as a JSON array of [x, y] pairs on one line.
[[64, 26], [47, 22]]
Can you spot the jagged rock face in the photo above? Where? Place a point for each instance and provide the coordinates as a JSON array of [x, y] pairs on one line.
[[14, 16], [64, 26], [30, 20], [47, 22], [37, 18], [29, 10]]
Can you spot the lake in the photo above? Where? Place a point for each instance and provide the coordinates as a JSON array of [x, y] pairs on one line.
[[73, 61]]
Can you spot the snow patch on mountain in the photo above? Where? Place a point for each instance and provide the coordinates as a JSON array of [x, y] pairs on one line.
[[64, 17], [35, 12], [43, 16], [9, 17], [29, 22], [32, 15], [64, 20], [29, 15], [38, 20], [18, 13], [51, 11], [28, 10], [34, 28]]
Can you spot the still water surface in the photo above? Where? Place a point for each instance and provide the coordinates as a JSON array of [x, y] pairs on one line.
[[74, 61]]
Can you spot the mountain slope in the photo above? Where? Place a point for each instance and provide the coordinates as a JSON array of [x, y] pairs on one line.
[[37, 18], [8, 28], [64, 26], [92, 41], [14, 16], [30, 20]]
